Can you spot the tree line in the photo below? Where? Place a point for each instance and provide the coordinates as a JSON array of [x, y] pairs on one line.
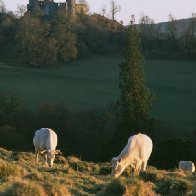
[[175, 39], [37, 40], [98, 134]]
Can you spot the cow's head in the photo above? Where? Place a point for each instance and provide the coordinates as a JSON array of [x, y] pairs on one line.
[[117, 166], [50, 156]]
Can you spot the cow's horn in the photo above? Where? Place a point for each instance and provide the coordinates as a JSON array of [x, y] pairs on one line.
[[44, 151]]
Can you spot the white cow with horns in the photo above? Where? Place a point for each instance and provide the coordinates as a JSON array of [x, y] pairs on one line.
[[45, 142], [136, 154]]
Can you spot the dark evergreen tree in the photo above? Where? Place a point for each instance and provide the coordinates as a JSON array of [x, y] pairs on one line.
[[135, 98]]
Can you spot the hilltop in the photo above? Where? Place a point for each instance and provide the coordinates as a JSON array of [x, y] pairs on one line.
[[59, 40], [20, 175], [181, 25]]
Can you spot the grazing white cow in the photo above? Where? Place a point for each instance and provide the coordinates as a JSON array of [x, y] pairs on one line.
[[136, 154], [187, 166], [45, 142]]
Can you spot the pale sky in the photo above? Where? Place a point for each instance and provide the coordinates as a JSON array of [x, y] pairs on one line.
[[158, 10]]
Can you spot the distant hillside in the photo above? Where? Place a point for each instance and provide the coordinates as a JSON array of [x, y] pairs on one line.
[[180, 25], [21, 176], [84, 37], [175, 39], [58, 40]]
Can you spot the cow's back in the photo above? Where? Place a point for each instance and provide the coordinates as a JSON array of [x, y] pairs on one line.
[[145, 146], [139, 146], [45, 139]]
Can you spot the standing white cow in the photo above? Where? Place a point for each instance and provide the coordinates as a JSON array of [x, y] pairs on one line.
[[187, 166], [45, 142], [136, 154]]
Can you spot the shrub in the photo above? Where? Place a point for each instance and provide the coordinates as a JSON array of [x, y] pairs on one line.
[[9, 169], [194, 189], [139, 188], [105, 169], [152, 176], [171, 183], [54, 189], [61, 160], [25, 188], [4, 153], [151, 168], [84, 166], [116, 188], [130, 187], [23, 156], [7, 133], [36, 176], [174, 186]]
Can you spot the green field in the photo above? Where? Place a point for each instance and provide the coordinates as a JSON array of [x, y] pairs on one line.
[[93, 83]]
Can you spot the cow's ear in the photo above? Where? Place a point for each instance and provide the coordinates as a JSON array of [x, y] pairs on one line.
[[120, 159], [58, 151]]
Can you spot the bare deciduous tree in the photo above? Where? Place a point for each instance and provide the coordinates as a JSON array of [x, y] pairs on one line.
[[146, 27], [114, 9], [172, 32], [21, 9], [104, 8], [189, 35], [9, 103], [2, 7], [172, 27]]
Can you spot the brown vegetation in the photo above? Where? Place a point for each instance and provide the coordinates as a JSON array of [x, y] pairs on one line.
[[20, 175]]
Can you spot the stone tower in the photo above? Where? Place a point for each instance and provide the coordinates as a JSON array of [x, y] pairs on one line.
[[71, 8]]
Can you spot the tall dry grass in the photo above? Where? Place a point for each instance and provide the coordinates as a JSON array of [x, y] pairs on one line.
[[21, 175]]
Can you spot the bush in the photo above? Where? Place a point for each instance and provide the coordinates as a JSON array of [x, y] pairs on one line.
[[35, 176], [84, 166], [9, 169], [105, 169], [54, 189], [61, 159], [7, 133], [152, 176], [23, 156], [25, 188], [169, 183], [139, 188], [130, 187], [174, 186], [115, 188]]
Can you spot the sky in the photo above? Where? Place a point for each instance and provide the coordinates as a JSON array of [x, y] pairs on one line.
[[158, 10]]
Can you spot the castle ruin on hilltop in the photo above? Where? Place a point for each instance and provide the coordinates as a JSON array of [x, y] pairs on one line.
[[50, 8]]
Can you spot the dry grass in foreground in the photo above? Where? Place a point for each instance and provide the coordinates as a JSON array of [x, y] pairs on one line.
[[21, 176]]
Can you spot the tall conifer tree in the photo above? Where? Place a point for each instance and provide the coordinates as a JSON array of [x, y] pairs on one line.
[[135, 98]]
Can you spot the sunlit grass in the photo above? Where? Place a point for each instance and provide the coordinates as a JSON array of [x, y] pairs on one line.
[[75, 177]]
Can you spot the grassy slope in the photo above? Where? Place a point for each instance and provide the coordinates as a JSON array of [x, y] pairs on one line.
[[80, 85], [94, 83], [174, 85], [20, 175]]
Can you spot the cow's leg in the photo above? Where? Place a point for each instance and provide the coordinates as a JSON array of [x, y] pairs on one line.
[[46, 163], [144, 164], [37, 155], [138, 166]]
